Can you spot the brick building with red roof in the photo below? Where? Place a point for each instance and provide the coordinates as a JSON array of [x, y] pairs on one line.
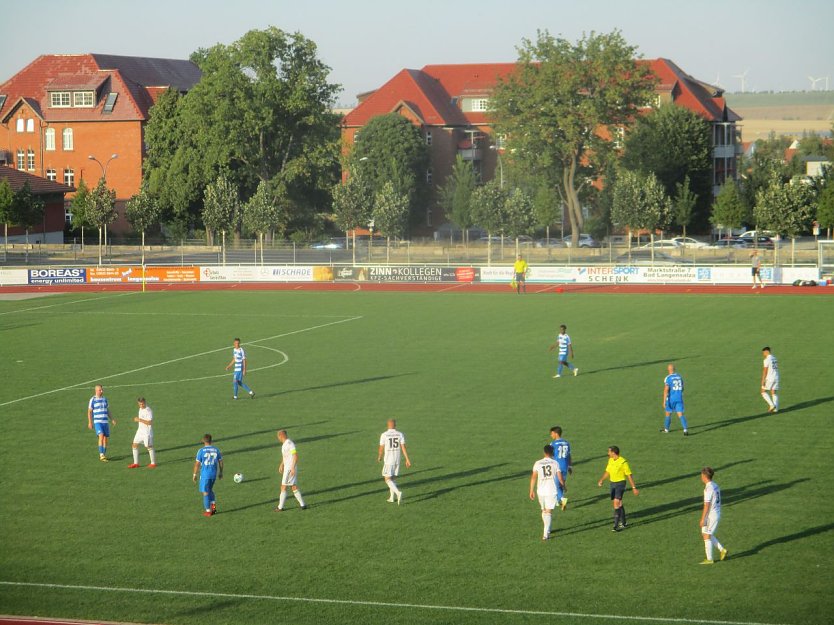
[[62, 109], [51, 228], [450, 105]]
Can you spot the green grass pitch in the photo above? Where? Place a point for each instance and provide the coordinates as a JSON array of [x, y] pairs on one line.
[[468, 378]]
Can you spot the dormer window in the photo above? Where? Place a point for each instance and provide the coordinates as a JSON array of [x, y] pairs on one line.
[[59, 99], [84, 99], [480, 104]]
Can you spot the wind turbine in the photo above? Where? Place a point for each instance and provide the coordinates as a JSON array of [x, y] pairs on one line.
[[814, 82], [718, 81], [742, 78]]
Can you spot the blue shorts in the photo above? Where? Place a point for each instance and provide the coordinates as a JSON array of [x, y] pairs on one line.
[[238, 376], [102, 428], [674, 406], [206, 484], [563, 357]]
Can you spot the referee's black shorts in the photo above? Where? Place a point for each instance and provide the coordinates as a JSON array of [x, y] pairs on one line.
[[617, 490]]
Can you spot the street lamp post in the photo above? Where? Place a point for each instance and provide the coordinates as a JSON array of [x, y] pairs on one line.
[[103, 177]]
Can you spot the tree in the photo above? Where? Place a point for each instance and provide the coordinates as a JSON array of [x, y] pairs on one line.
[[565, 101], [729, 209], [456, 195], [683, 204], [221, 209], [142, 211], [263, 213], [352, 204], [547, 207], [6, 211], [519, 217], [391, 149], [674, 143], [80, 207], [27, 211], [825, 208], [784, 208], [390, 213], [261, 113], [101, 209], [488, 204], [640, 203]]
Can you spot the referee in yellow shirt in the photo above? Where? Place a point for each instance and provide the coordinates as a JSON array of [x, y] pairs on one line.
[[520, 269], [617, 470]]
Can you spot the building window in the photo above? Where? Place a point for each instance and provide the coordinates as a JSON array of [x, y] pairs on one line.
[[20, 124], [69, 177], [68, 140], [51, 174], [428, 218], [428, 137], [83, 99], [481, 104], [30, 160], [30, 125], [59, 99], [49, 139], [429, 175], [21, 160]]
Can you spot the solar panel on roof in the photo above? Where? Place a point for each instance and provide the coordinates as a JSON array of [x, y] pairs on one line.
[[110, 102]]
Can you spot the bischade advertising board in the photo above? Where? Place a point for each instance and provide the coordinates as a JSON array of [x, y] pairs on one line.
[[61, 275], [250, 273]]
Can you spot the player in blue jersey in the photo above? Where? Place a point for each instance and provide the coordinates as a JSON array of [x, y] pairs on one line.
[[210, 463], [562, 456], [673, 399], [239, 363], [565, 346], [98, 418]]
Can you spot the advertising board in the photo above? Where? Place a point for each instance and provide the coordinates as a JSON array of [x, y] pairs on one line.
[[114, 274], [58, 275], [9, 277]]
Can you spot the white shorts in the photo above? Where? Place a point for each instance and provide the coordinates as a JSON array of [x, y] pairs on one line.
[[547, 502], [286, 480], [771, 384], [710, 523], [144, 436], [391, 470]]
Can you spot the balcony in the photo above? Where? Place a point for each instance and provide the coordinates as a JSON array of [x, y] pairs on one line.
[[470, 154], [724, 151]]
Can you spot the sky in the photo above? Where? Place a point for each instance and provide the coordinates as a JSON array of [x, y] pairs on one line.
[[777, 44]]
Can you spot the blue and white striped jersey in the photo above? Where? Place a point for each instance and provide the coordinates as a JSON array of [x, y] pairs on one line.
[[239, 356], [100, 408]]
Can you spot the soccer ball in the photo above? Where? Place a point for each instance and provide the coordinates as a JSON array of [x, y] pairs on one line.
[[238, 478]]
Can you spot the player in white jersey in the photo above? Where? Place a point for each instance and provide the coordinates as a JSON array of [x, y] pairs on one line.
[[710, 515], [391, 445], [546, 471], [144, 434], [770, 380], [289, 471]]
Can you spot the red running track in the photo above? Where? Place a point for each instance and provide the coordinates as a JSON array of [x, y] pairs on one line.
[[437, 287]]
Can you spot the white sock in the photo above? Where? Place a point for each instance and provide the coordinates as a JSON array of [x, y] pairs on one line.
[[152, 454], [547, 518], [717, 544], [298, 498], [708, 548], [767, 399], [392, 486], [282, 499], [135, 455], [776, 401]]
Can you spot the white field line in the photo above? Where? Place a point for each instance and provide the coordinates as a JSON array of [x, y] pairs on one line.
[[186, 314], [173, 360], [77, 301], [384, 604], [453, 287], [284, 361]]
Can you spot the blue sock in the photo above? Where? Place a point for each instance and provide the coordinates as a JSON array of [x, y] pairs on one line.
[[206, 502], [244, 387], [667, 422], [101, 449], [683, 422], [234, 387], [559, 370], [559, 492]]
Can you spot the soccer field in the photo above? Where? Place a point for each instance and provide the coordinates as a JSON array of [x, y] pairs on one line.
[[468, 378]]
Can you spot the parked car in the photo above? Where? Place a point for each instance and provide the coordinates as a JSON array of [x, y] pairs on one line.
[[749, 234], [332, 244], [689, 242], [585, 240], [662, 244], [550, 243], [728, 243], [758, 241]]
